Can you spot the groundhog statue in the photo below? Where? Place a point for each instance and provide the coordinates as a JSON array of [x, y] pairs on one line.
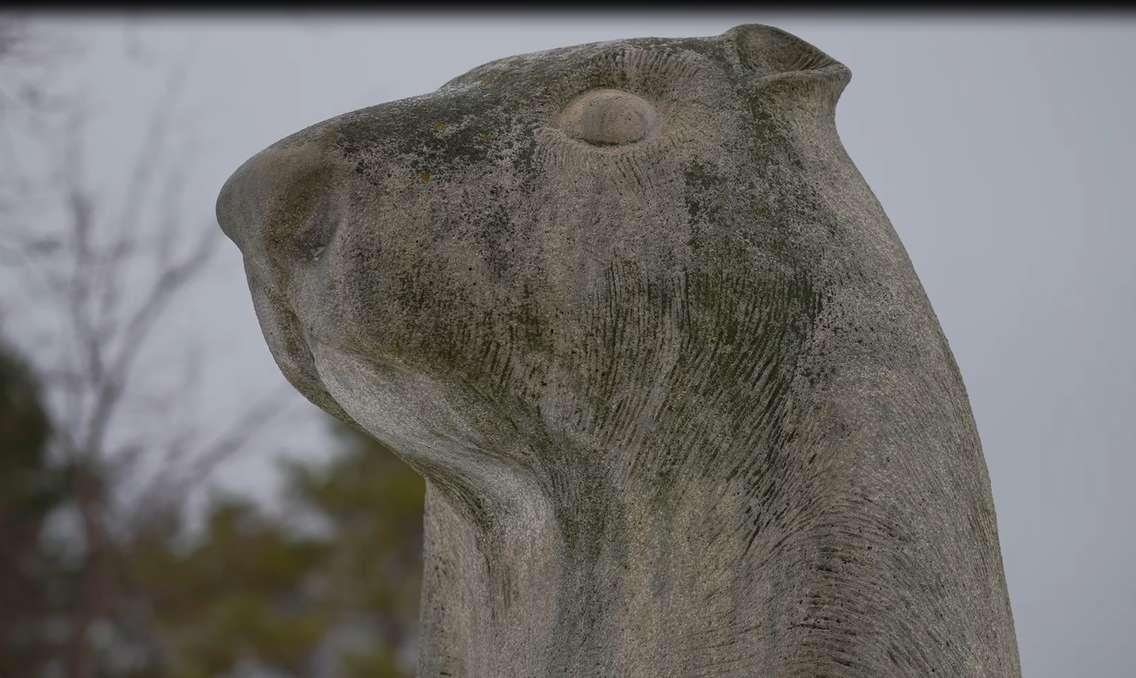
[[681, 403]]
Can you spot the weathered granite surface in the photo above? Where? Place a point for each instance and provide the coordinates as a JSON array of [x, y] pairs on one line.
[[681, 401]]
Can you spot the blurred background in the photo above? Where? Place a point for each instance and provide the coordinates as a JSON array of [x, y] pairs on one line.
[[170, 507]]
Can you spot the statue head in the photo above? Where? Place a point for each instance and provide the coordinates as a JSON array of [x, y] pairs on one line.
[[607, 247]]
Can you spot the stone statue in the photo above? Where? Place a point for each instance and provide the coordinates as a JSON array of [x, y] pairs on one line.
[[681, 403]]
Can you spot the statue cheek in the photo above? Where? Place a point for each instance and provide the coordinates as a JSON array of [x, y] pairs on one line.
[[355, 296]]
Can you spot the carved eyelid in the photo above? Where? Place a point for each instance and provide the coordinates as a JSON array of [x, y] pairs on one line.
[[608, 117]]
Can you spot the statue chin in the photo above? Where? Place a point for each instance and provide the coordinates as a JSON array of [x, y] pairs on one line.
[[420, 417], [392, 403]]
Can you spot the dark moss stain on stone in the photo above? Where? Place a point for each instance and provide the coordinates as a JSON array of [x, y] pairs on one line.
[[496, 231], [460, 130], [704, 196]]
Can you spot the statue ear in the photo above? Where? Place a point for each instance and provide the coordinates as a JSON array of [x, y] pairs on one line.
[[773, 56], [766, 50]]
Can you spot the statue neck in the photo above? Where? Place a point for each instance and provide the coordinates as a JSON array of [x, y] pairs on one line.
[[637, 579], [632, 538]]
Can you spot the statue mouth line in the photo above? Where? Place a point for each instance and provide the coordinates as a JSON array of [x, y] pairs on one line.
[[293, 346]]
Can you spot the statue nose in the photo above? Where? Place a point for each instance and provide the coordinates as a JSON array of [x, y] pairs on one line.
[[236, 211], [277, 202]]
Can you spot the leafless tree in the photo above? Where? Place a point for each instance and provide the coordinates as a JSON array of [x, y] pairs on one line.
[[97, 267]]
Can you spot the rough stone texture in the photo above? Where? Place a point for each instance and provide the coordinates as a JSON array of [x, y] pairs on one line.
[[681, 402]]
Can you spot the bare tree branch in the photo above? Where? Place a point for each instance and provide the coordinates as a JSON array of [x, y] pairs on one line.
[[99, 282], [181, 476], [137, 328]]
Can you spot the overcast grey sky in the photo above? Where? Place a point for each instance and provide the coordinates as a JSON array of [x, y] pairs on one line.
[[1002, 148]]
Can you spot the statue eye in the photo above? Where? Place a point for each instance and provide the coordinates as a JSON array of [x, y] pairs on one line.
[[608, 117]]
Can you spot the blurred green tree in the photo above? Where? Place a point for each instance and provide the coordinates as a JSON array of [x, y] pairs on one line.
[[328, 586], [30, 489]]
